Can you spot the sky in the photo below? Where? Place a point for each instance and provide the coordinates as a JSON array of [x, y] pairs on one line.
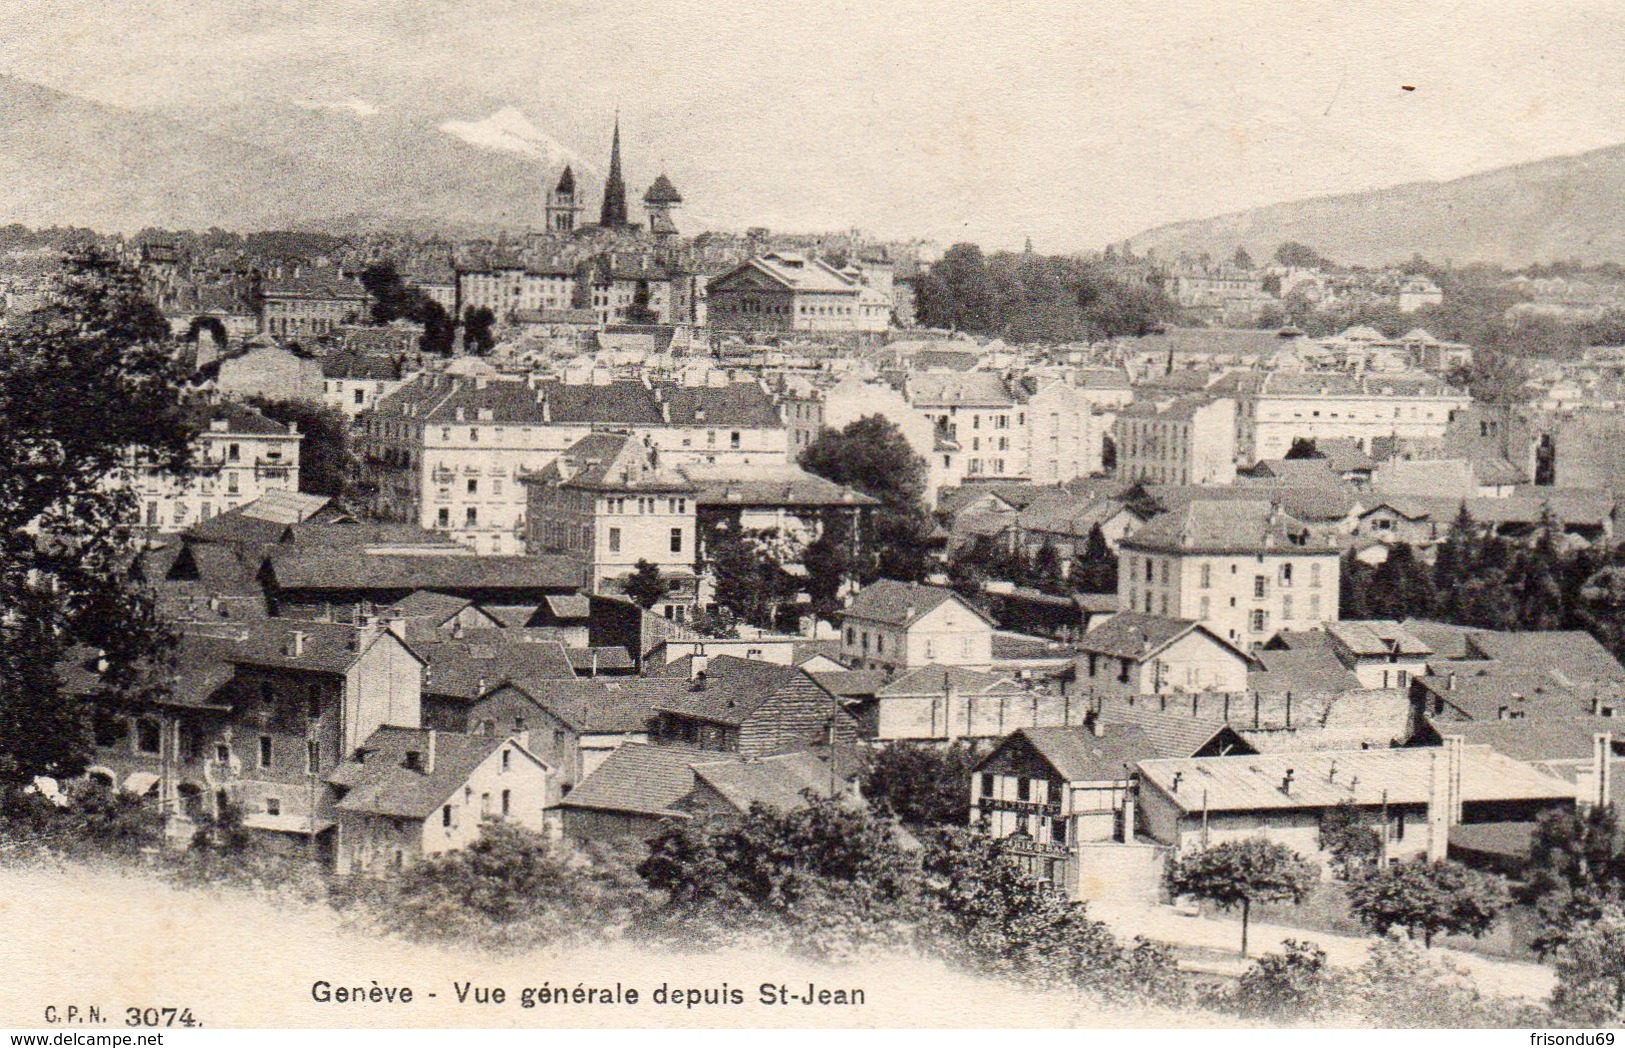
[[1072, 123]]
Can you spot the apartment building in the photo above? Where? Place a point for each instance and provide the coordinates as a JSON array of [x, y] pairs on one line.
[[787, 291], [1066, 437], [306, 307], [239, 456], [1243, 568], [447, 452], [611, 501], [507, 288], [1275, 408], [1184, 440], [980, 423]]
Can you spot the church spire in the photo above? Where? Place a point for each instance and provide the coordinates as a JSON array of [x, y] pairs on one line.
[[613, 214]]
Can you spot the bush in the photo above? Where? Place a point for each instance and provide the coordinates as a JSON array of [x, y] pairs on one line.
[[511, 889], [1294, 984], [923, 785], [96, 824], [1399, 987]]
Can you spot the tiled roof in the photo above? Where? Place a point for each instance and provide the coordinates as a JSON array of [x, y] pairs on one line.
[[330, 647], [1079, 755], [381, 783], [901, 603], [770, 486], [439, 399], [612, 462], [1537, 738], [1132, 635], [1321, 503], [1324, 779], [781, 782], [430, 605], [1377, 637], [1574, 656], [661, 191], [1239, 526], [954, 389], [239, 419], [368, 366], [852, 684], [1301, 670], [936, 680], [319, 286], [346, 571], [1447, 640], [1173, 732], [640, 778], [732, 690], [466, 669]]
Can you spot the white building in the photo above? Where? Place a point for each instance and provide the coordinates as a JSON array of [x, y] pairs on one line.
[[1188, 440], [892, 625], [1275, 408], [239, 456]]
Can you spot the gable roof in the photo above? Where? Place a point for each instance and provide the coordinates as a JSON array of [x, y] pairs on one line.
[[1173, 732], [1137, 636], [640, 778], [1079, 755], [1326, 778], [732, 689], [1536, 739], [299, 570], [781, 781], [328, 647], [380, 783], [902, 604], [936, 680], [1251, 525], [466, 669], [1377, 637]]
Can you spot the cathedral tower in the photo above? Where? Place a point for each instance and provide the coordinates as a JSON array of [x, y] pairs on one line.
[[561, 204], [613, 214]]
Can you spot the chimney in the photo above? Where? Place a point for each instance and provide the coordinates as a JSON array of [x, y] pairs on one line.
[[1178, 775], [1450, 681], [428, 758], [1286, 782], [697, 665], [1091, 720], [1602, 752], [296, 644]]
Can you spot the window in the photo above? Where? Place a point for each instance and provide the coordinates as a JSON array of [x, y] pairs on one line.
[[273, 805], [313, 701], [1024, 789], [987, 784], [507, 760], [1207, 577], [148, 736], [222, 753], [614, 540], [1150, 570], [265, 751], [1314, 576], [1286, 574], [507, 797], [1260, 619], [850, 635], [473, 486], [313, 757], [443, 518], [1204, 608], [1057, 830], [733, 439], [471, 516], [231, 484], [485, 805], [360, 397], [677, 540], [445, 816], [234, 453], [1260, 586], [1286, 607], [1314, 605]]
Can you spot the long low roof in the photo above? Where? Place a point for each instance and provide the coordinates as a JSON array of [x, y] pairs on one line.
[[1326, 778], [329, 571]]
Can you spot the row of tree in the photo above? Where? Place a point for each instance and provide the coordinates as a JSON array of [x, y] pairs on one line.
[[1035, 298]]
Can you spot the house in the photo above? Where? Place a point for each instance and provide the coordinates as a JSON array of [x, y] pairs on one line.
[[311, 306], [1137, 654], [1380, 653], [1412, 796], [1244, 568], [890, 625], [608, 501], [309, 580], [406, 794], [943, 703], [639, 789], [754, 709], [238, 457], [1049, 792], [1188, 440]]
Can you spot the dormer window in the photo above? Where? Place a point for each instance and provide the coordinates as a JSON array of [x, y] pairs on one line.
[[414, 760]]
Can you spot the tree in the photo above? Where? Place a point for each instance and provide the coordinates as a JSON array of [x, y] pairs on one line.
[[923, 785], [85, 382], [477, 336], [1095, 569], [511, 888], [1591, 972], [1300, 256], [750, 573], [722, 624], [646, 587], [1240, 873], [1577, 851], [1303, 448], [1427, 898], [828, 877], [1353, 845], [328, 464], [871, 455], [1241, 259]]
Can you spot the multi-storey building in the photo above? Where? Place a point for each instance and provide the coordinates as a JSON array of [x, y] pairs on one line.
[[1275, 408], [786, 291], [611, 501], [305, 307], [507, 288], [447, 452], [980, 419], [1065, 433], [239, 456], [892, 625], [1243, 568], [1188, 440], [355, 382]]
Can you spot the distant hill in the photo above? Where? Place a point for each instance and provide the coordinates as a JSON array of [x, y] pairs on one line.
[[1558, 209], [65, 160]]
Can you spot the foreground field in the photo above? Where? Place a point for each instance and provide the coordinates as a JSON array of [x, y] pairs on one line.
[[116, 941]]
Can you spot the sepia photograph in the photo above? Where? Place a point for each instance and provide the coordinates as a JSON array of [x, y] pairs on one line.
[[908, 515]]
